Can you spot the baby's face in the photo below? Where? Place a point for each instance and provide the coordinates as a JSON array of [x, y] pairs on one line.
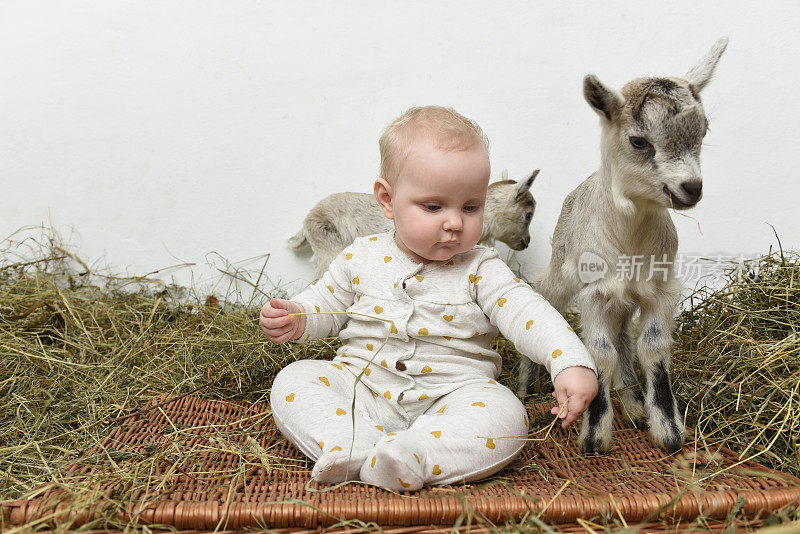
[[438, 201]]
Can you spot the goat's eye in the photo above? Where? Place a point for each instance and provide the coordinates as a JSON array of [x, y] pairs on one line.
[[638, 142], [528, 216]]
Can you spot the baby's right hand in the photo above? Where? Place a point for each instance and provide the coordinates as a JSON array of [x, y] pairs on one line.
[[278, 322]]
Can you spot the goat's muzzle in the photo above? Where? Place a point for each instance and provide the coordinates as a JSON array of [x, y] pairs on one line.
[[522, 244], [691, 192]]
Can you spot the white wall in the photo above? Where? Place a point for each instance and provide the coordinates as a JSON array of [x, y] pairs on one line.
[[162, 131]]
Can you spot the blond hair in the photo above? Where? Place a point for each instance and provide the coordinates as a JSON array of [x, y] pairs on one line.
[[445, 127]]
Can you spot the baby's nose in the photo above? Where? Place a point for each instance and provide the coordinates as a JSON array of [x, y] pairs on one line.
[[453, 222]]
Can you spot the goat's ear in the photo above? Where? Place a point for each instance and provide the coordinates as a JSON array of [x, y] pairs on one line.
[[607, 102], [523, 186], [700, 74]]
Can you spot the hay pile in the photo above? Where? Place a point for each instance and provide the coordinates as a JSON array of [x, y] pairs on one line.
[[81, 349], [736, 363]]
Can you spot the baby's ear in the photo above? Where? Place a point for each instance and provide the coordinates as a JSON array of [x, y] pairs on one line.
[[383, 194]]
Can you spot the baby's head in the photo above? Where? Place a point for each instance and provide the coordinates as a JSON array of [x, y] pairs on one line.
[[433, 183]]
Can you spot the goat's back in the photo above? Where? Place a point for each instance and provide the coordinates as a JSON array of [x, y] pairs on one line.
[[341, 217]]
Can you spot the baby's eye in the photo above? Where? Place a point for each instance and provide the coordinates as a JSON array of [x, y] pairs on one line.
[[470, 208], [431, 207]]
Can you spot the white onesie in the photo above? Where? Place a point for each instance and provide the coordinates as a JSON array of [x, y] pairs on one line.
[[427, 407]]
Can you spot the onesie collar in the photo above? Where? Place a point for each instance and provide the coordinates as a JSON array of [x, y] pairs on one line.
[[404, 257]]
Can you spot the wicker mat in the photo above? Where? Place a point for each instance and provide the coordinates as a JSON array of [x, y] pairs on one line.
[[197, 464]]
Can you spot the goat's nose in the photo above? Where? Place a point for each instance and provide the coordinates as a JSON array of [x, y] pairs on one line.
[[693, 189]]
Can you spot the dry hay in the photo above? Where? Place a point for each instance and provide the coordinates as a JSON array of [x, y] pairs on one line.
[[83, 349]]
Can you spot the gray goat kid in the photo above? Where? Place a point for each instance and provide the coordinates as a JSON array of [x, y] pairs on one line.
[[338, 219], [650, 142]]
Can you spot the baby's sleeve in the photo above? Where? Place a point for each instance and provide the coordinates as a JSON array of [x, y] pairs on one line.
[[526, 319], [331, 293]]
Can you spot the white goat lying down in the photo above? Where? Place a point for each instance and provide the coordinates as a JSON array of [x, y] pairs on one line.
[[338, 219], [650, 142]]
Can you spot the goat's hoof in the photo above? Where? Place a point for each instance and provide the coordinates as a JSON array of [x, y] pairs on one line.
[[595, 445], [640, 423], [672, 444], [670, 440]]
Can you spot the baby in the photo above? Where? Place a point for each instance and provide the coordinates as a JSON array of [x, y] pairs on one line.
[[428, 409]]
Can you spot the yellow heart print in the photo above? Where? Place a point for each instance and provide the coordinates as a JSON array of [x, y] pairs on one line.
[[436, 433], [369, 346], [426, 369], [324, 381], [339, 411], [423, 331], [490, 443], [378, 309], [348, 256], [482, 405], [556, 353], [419, 278], [436, 470], [447, 318], [290, 397], [356, 281], [528, 325], [502, 301], [387, 259]]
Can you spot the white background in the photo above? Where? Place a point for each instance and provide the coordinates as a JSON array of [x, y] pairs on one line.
[[170, 132]]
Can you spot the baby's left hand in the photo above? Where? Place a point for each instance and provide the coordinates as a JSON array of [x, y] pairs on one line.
[[576, 386]]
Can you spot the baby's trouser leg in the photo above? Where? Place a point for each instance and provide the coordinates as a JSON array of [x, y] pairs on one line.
[[312, 406], [466, 435]]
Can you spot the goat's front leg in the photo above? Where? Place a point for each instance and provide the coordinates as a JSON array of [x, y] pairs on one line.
[[600, 323], [655, 357], [527, 378], [626, 382]]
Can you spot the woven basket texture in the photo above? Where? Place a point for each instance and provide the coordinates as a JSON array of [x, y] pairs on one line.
[[221, 466]]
